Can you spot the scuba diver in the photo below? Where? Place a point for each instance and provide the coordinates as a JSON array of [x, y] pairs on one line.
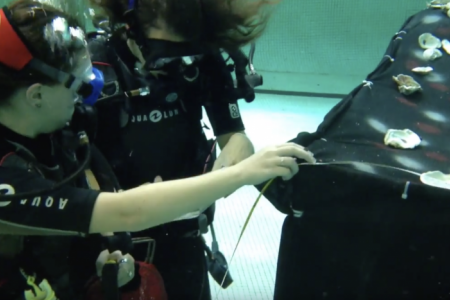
[[58, 204], [36, 267], [162, 62]]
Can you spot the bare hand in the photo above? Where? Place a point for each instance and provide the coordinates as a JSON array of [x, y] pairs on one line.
[[275, 161]]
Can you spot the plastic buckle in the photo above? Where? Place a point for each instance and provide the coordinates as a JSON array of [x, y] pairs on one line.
[[254, 80]]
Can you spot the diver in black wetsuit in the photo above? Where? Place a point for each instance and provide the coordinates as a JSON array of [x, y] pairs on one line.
[[49, 186], [37, 99], [170, 56]]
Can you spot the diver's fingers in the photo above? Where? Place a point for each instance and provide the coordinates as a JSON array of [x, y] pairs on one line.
[[283, 172], [290, 144], [290, 164], [296, 151]]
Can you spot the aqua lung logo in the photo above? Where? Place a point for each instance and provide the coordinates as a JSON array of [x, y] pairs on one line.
[[46, 202], [155, 116], [6, 189]]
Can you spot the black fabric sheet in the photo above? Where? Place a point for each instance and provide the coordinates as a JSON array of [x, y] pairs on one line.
[[370, 232]]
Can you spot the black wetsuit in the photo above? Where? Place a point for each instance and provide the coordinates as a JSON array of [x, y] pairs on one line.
[[151, 138], [66, 262]]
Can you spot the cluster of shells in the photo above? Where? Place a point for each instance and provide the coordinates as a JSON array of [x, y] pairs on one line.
[[441, 4], [431, 45]]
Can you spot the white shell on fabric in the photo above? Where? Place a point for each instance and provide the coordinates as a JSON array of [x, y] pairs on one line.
[[423, 70], [443, 5], [402, 139], [432, 54], [436, 179], [429, 41], [446, 46], [438, 2], [406, 84]]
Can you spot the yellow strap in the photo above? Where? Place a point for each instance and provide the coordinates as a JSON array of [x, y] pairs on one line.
[[91, 180], [111, 261], [243, 230]]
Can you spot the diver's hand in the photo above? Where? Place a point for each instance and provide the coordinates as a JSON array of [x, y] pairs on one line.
[[126, 265], [272, 162]]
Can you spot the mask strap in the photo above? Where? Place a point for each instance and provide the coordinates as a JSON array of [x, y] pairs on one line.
[[13, 53], [65, 78]]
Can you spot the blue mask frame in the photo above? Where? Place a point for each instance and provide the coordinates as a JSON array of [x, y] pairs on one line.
[[97, 84]]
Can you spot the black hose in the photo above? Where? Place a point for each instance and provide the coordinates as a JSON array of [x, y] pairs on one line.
[[84, 141], [101, 166]]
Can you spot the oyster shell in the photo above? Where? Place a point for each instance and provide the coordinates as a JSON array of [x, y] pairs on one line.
[[445, 7], [432, 54], [436, 179], [423, 70], [406, 84], [402, 139], [438, 4], [429, 41], [446, 46]]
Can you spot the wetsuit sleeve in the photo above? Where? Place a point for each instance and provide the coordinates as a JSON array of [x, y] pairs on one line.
[[225, 117], [65, 209]]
